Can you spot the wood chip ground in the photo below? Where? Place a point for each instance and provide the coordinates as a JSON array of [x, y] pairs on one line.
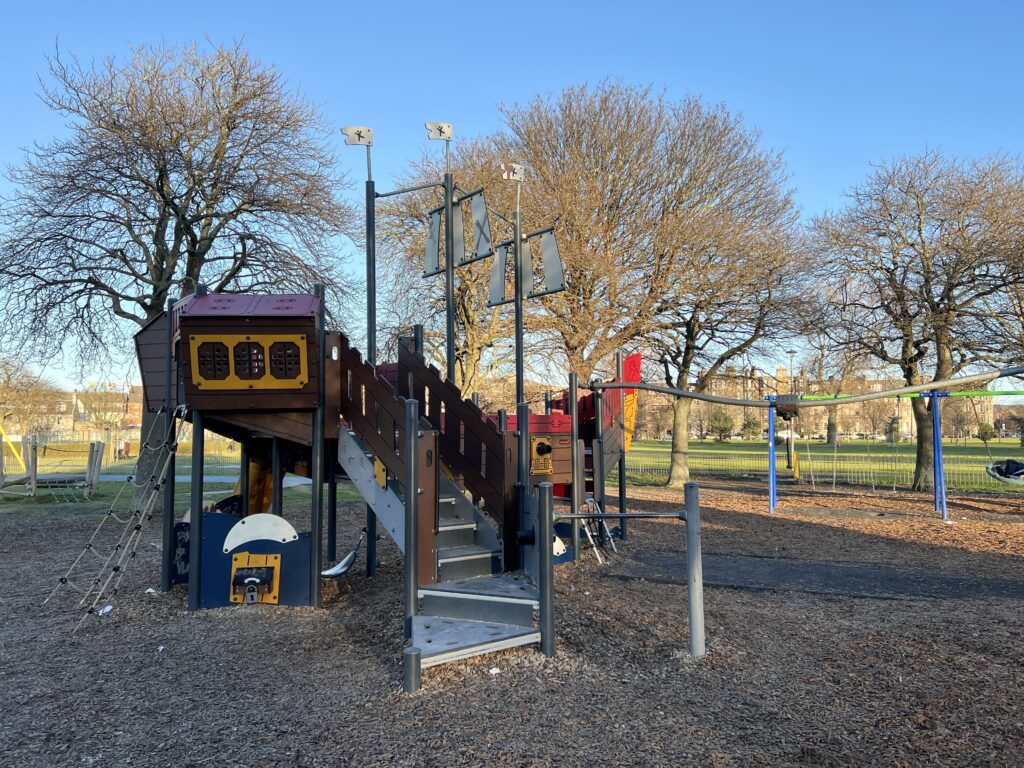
[[791, 678]]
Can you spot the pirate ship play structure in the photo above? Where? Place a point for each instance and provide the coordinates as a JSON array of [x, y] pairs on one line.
[[439, 475]]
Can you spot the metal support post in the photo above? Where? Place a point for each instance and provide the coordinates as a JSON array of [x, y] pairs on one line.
[[523, 468], [277, 479], [411, 659], [694, 570], [502, 420], [195, 527], [598, 461], [546, 568], [938, 467], [517, 252], [411, 482], [243, 476], [332, 506], [449, 275], [620, 375], [772, 487], [316, 520], [170, 424], [371, 337], [576, 489], [547, 403]]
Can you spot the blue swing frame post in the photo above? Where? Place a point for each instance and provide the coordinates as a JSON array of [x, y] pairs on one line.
[[773, 486], [938, 466]]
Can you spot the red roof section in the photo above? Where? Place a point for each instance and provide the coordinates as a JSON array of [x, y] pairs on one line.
[[252, 305]]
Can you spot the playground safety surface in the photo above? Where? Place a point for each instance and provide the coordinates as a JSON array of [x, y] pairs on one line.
[[794, 676]]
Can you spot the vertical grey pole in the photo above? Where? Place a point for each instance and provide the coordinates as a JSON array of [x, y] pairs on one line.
[[694, 570], [195, 527], [371, 335], [316, 520], [517, 253], [417, 338], [475, 397], [547, 403], [276, 480], [243, 476], [170, 382], [620, 375], [449, 275], [502, 420], [523, 453], [597, 461], [545, 538], [332, 506], [411, 669], [576, 493], [412, 420]]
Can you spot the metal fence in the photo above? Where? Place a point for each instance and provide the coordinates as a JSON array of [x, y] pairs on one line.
[[884, 470], [64, 456]]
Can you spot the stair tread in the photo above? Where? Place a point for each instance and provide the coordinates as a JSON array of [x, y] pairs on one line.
[[503, 585], [465, 552], [455, 522], [442, 640]]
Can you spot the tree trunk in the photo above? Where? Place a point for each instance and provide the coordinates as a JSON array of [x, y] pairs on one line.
[[832, 427], [679, 471], [924, 476]]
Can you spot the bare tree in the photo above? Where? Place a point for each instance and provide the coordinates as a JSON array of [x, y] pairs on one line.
[[875, 415], [104, 406], [912, 263], [483, 334], [182, 165], [27, 398]]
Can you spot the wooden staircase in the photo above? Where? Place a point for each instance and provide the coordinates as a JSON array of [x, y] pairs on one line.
[[471, 596]]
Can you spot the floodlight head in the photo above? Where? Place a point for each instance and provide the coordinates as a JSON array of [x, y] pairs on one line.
[[513, 172], [439, 131], [358, 134]]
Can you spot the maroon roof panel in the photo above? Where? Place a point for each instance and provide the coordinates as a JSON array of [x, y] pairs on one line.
[[249, 305]]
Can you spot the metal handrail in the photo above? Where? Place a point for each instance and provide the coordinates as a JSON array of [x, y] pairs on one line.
[[931, 386]]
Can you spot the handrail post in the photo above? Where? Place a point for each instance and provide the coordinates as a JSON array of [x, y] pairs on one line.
[[576, 496], [523, 476], [171, 426], [411, 447], [620, 375], [694, 570], [545, 537], [598, 462]]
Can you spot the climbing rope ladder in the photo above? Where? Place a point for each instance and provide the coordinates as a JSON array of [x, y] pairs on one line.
[[114, 547]]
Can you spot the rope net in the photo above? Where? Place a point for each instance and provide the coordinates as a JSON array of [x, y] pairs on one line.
[[115, 541]]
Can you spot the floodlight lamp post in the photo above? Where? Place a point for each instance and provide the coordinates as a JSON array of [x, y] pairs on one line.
[[790, 445], [363, 136], [443, 132]]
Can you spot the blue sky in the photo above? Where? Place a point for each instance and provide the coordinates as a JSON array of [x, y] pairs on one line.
[[835, 86]]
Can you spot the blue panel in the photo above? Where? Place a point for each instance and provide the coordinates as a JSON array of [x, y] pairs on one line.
[[215, 573]]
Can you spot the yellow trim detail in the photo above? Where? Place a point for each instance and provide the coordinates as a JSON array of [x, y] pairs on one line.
[[540, 461], [246, 560], [233, 381]]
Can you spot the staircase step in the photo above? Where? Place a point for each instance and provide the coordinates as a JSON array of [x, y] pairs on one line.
[[455, 532], [505, 597], [506, 586], [466, 561], [442, 640]]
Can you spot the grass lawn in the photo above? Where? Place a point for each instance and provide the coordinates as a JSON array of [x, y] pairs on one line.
[[857, 462]]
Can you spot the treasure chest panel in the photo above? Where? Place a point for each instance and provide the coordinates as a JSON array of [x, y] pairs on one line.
[[243, 352]]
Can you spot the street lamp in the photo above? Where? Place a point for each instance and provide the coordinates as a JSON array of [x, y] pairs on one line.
[[790, 447], [792, 383]]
